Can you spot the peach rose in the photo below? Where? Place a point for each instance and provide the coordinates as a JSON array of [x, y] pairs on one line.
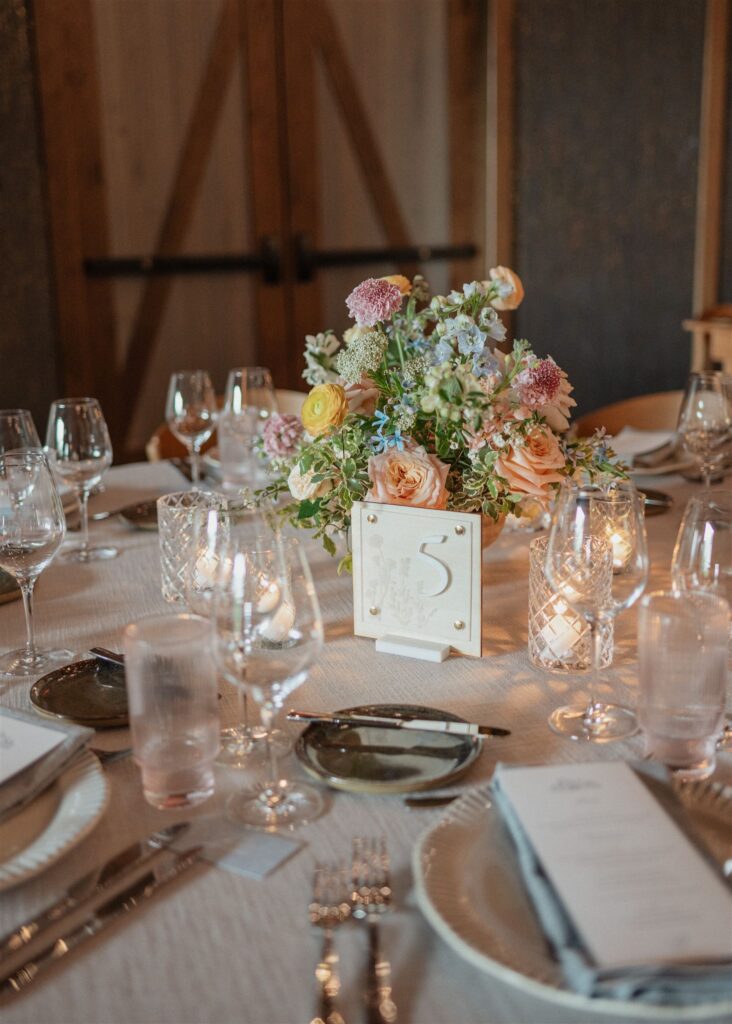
[[361, 397], [403, 283], [411, 477], [511, 286], [531, 467]]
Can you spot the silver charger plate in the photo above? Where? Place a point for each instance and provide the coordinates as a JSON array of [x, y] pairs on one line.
[[370, 759], [9, 589], [469, 888]]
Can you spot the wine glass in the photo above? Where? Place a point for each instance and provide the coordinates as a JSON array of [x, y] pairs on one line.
[[32, 527], [268, 634], [80, 452], [191, 412], [17, 431], [702, 558], [249, 401], [217, 535], [597, 560], [705, 420]]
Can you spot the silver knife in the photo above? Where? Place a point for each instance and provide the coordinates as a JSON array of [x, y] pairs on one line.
[[104, 654], [89, 886], [392, 722], [98, 920]]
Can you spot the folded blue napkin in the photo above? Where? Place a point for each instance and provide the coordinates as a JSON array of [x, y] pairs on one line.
[[672, 985]]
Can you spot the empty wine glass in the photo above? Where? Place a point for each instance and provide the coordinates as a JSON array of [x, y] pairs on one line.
[[249, 401], [269, 633], [191, 412], [32, 527], [80, 452], [17, 431], [702, 558], [217, 535], [597, 560], [705, 420]]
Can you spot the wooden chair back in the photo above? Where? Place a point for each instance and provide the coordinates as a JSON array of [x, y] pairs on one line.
[[657, 411]]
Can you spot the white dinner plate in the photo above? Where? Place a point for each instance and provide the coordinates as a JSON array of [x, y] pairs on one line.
[[59, 818], [470, 890]]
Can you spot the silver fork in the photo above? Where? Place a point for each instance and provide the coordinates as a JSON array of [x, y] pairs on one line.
[[371, 897], [330, 907]]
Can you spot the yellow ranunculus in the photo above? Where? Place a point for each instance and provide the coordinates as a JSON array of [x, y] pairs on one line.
[[325, 408], [403, 283]]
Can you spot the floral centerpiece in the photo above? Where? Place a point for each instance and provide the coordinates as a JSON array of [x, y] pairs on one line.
[[418, 405]]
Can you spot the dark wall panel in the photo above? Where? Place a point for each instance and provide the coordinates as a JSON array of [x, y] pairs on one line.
[[28, 367], [608, 95]]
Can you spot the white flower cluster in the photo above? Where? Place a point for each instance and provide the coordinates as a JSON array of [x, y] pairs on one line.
[[320, 350]]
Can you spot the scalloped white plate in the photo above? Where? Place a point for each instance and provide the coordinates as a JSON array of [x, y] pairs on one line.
[[64, 814], [469, 888]]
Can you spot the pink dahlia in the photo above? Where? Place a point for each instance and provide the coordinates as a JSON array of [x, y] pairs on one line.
[[373, 300], [539, 384], [281, 435]]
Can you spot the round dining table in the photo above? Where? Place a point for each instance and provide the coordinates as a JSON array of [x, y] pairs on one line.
[[219, 948]]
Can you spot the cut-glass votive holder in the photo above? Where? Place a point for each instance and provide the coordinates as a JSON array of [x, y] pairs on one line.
[[559, 637], [176, 518]]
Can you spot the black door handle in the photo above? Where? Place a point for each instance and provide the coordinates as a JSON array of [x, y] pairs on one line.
[[267, 260], [308, 260]]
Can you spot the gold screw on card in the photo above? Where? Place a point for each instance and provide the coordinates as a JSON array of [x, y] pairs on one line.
[[459, 624], [371, 518]]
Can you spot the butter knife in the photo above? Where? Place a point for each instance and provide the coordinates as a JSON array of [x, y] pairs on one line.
[[87, 888], [102, 917], [386, 722]]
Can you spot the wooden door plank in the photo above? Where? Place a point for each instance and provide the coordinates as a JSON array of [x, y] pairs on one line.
[[190, 169], [711, 158], [467, 125], [264, 142], [298, 55], [70, 104], [356, 123]]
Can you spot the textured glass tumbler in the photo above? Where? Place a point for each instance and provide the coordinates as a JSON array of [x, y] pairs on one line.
[[174, 715], [176, 519], [682, 655], [559, 637]]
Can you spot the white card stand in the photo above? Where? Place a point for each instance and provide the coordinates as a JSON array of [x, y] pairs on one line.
[[417, 583]]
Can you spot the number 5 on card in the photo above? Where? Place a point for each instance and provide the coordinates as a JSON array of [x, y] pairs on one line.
[[417, 575]]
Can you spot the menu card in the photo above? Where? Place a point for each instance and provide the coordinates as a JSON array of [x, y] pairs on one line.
[[636, 888], [23, 743]]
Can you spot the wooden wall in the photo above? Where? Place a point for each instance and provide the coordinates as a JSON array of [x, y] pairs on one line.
[[725, 283], [29, 371], [607, 116]]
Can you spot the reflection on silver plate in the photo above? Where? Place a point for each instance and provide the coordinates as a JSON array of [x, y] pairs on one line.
[[59, 818], [9, 589], [369, 759], [656, 502], [470, 890], [89, 692]]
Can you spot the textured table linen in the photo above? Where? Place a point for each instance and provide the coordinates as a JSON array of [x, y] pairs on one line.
[[223, 949]]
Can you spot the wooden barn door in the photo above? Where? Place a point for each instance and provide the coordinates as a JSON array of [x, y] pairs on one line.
[[222, 172]]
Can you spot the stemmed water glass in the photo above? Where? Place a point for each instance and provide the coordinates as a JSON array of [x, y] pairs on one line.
[[702, 558], [217, 536], [17, 431], [190, 412], [705, 420], [32, 527], [597, 560], [80, 452], [248, 402], [268, 634]]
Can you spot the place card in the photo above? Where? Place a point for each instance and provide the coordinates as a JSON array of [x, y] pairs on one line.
[[22, 743], [636, 888]]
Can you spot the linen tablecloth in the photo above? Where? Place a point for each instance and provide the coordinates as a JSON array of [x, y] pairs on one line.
[[223, 949]]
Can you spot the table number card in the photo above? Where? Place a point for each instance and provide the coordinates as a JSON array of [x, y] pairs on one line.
[[417, 577]]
